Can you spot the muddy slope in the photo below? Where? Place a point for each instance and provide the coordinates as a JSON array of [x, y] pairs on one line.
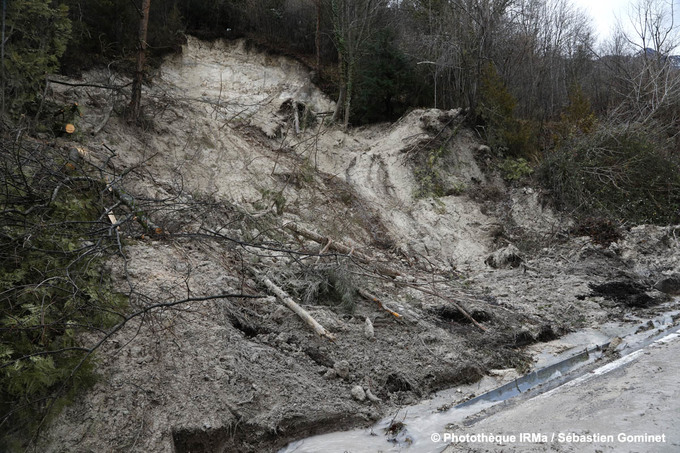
[[221, 168]]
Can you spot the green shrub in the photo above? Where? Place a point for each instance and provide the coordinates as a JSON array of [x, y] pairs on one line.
[[429, 178], [52, 288], [332, 285], [36, 36], [496, 110], [619, 172], [579, 115], [385, 76], [515, 169]]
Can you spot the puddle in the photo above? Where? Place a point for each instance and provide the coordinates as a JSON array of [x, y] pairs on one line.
[[557, 362]]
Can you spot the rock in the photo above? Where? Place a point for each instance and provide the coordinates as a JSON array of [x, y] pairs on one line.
[[75, 154], [504, 258], [330, 374], [342, 368], [181, 267], [368, 329], [283, 337], [669, 285], [358, 393], [502, 372], [615, 345], [372, 397], [450, 357]]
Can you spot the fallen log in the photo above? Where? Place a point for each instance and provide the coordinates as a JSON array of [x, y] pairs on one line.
[[139, 215], [366, 295], [324, 250], [345, 250], [290, 303]]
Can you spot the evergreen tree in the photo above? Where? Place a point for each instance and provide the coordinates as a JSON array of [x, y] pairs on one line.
[[36, 33], [386, 82]]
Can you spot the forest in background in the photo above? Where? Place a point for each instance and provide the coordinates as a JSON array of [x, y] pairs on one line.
[[596, 127], [527, 71], [497, 58], [599, 124]]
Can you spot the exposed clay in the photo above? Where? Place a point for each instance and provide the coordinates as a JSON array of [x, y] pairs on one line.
[[248, 375]]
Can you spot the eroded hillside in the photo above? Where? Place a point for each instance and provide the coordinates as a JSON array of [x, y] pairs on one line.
[[239, 170]]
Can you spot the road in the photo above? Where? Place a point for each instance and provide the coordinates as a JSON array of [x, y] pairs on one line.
[[637, 395]]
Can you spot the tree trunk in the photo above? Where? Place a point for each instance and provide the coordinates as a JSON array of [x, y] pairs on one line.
[[348, 93], [318, 38], [343, 90], [2, 57], [290, 303], [136, 100]]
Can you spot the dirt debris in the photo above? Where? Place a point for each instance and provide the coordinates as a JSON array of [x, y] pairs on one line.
[[248, 375]]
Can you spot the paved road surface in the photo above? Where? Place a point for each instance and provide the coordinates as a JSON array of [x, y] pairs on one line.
[[638, 395]]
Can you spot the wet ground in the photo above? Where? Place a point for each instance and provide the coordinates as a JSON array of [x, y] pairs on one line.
[[250, 376], [544, 403], [628, 405]]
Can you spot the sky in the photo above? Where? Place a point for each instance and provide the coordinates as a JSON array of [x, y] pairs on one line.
[[604, 14]]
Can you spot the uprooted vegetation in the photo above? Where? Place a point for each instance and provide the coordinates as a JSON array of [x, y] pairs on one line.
[[84, 279], [55, 238]]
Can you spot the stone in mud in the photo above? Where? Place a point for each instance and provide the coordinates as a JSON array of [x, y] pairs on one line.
[[368, 329], [504, 258], [358, 393], [669, 285], [342, 368]]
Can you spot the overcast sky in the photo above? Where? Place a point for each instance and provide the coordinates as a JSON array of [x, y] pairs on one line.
[[605, 12]]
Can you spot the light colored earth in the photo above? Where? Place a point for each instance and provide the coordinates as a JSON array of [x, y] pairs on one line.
[[249, 376]]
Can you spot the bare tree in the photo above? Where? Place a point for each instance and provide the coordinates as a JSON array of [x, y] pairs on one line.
[[353, 26], [136, 99], [317, 36], [2, 56], [548, 49], [648, 79], [456, 38]]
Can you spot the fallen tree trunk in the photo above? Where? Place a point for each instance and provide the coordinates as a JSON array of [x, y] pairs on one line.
[[290, 303], [139, 215], [366, 295], [385, 270]]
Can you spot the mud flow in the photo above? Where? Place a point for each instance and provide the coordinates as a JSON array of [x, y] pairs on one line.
[[419, 278]]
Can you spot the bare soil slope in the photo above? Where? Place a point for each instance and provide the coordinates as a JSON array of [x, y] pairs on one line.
[[220, 167]]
